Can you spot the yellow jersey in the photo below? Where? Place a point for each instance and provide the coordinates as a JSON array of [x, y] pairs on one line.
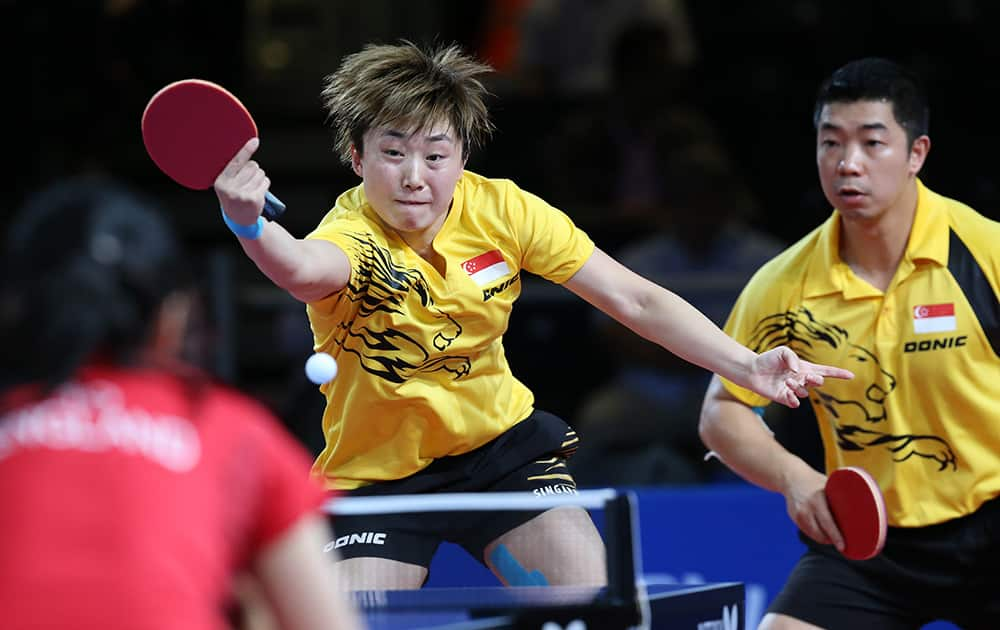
[[422, 372], [923, 412]]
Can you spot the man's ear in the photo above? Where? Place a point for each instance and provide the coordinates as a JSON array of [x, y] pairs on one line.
[[356, 162], [918, 153]]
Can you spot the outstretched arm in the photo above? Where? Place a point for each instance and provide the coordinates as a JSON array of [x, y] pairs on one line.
[[668, 320], [736, 436], [300, 583], [308, 269]]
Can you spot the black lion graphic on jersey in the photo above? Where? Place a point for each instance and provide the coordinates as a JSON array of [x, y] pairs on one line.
[[855, 420], [379, 284]]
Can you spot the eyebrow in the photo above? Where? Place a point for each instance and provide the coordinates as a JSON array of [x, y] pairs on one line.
[[440, 137], [874, 126]]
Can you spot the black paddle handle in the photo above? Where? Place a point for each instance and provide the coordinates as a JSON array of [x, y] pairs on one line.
[[273, 207]]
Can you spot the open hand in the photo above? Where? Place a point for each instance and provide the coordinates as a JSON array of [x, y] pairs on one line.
[[783, 377]]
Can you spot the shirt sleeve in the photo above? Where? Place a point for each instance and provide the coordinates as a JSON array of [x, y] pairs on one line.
[[552, 246], [353, 236]]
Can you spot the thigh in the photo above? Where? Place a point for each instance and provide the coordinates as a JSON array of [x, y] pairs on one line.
[[558, 547], [360, 574], [833, 593], [554, 546], [541, 476]]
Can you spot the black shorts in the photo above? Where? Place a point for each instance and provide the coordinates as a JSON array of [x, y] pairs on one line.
[[949, 571], [530, 456]]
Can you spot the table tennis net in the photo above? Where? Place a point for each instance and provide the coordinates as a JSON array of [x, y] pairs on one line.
[[613, 513]]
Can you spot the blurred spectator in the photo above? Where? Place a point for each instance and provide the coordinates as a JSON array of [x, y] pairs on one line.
[[641, 427], [606, 162], [566, 46]]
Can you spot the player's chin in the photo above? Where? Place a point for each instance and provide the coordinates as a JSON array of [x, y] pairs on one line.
[[409, 222]]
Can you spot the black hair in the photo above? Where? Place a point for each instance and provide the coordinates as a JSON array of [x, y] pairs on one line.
[[88, 263], [878, 79]]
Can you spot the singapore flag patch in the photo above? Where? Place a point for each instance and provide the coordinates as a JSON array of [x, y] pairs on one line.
[[485, 268], [933, 318]]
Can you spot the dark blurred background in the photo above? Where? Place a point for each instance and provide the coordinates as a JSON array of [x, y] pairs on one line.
[[657, 125]]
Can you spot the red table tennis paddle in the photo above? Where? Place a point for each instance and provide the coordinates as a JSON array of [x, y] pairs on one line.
[[193, 128], [859, 510]]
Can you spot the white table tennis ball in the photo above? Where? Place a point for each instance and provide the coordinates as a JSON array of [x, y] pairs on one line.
[[321, 368]]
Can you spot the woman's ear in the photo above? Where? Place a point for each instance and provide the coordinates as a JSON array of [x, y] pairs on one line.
[[356, 162], [171, 327]]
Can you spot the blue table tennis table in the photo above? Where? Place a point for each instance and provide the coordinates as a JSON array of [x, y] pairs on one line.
[[674, 606]]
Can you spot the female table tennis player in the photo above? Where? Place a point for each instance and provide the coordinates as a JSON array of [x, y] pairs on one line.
[[132, 487], [409, 282]]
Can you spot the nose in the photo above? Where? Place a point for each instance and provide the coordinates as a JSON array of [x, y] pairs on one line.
[[848, 163], [412, 175]]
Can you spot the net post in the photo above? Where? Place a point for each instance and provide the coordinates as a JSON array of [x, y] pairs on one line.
[[622, 547]]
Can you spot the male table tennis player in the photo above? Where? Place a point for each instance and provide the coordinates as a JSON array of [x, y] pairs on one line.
[[899, 285]]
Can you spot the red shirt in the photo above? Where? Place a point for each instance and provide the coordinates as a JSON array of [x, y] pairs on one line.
[[128, 499]]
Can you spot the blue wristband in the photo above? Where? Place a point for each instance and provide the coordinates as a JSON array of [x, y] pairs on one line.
[[249, 232]]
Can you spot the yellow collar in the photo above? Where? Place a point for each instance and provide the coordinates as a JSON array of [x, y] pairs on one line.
[[928, 241]]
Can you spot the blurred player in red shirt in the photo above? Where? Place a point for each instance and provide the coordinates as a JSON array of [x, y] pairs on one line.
[[133, 488]]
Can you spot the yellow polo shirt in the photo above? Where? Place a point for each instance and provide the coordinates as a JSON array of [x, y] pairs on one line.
[[923, 412], [422, 372]]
